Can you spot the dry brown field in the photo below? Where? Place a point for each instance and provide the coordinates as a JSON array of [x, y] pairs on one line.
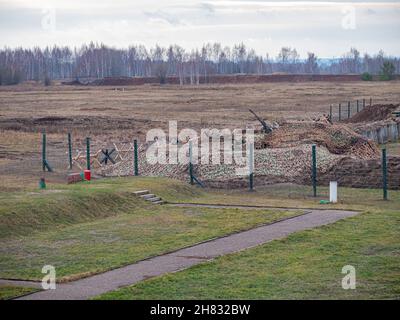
[[124, 113]]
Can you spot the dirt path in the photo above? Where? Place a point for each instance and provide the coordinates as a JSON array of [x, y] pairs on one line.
[[239, 206], [185, 258]]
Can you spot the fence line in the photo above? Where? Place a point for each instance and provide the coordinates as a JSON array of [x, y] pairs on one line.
[[389, 132], [348, 109]]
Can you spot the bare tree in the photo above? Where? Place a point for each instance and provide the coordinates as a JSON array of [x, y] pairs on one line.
[[311, 65], [95, 60]]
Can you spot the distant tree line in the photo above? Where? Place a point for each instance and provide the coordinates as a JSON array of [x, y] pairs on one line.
[[99, 61]]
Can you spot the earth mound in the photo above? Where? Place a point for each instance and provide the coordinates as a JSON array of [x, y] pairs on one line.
[[375, 112]]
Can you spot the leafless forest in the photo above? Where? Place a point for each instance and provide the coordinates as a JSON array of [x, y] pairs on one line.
[[98, 61]]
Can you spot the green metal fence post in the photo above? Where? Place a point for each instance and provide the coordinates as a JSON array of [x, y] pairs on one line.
[[384, 174], [340, 111], [314, 169], [251, 167], [363, 103], [70, 150], [358, 107], [45, 163], [370, 101], [135, 157], [44, 151], [348, 110], [88, 153], [190, 162], [330, 112]]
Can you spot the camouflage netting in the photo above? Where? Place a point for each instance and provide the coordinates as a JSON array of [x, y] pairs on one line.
[[287, 163], [339, 139], [284, 154]]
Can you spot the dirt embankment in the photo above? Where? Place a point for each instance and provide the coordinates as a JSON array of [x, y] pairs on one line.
[[223, 79], [375, 112]]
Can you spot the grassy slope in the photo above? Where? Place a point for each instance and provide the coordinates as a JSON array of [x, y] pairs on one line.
[[300, 197], [28, 211], [306, 265], [10, 292], [83, 230]]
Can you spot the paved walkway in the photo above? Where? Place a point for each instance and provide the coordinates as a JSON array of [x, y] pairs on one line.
[[185, 258]]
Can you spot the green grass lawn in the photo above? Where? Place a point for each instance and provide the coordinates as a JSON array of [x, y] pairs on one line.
[[305, 265], [295, 196], [10, 292], [24, 212], [82, 229], [92, 227]]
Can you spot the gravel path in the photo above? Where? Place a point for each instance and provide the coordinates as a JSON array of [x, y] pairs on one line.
[[185, 258]]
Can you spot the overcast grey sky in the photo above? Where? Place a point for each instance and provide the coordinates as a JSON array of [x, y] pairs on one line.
[[328, 28]]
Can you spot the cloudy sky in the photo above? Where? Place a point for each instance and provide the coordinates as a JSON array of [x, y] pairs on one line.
[[328, 28]]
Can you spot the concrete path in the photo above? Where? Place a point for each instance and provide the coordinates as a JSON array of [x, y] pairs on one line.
[[185, 258]]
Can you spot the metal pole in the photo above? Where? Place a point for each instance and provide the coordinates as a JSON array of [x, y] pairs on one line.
[[363, 103], [44, 151], [384, 174], [88, 153], [251, 167], [70, 150], [190, 162], [348, 110], [330, 113], [314, 169], [135, 157], [358, 107], [370, 101], [340, 111]]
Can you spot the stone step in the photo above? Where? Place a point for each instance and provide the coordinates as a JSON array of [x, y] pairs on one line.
[[147, 196], [153, 199], [141, 192]]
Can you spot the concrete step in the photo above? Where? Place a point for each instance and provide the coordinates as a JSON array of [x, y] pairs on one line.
[[159, 202], [141, 192], [147, 196], [154, 199]]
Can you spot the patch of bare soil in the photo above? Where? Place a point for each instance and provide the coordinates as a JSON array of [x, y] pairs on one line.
[[87, 124], [375, 112]]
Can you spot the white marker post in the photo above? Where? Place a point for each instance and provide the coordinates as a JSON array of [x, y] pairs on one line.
[[333, 191]]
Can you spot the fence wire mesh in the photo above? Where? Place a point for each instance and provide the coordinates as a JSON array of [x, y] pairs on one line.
[[283, 172]]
